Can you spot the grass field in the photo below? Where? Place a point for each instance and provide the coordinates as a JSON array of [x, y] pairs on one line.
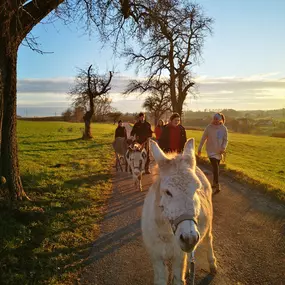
[[46, 240], [259, 160]]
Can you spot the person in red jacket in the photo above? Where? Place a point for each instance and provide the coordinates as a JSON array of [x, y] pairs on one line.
[[158, 129], [173, 137]]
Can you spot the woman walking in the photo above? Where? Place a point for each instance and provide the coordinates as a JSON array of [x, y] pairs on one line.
[[158, 129], [120, 131], [216, 137], [173, 135]]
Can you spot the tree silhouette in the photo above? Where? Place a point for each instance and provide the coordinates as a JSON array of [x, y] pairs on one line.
[[170, 39], [89, 87], [17, 19]]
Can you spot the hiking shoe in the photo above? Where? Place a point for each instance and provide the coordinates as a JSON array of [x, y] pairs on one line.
[[216, 188]]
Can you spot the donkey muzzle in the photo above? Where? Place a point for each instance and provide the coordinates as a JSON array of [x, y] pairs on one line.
[[188, 241]]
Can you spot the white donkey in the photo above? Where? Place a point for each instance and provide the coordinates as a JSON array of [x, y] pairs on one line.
[[177, 214], [136, 157]]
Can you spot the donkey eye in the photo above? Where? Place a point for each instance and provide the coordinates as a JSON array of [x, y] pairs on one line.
[[168, 193]]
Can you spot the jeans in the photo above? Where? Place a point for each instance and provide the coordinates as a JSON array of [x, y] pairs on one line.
[[215, 165]]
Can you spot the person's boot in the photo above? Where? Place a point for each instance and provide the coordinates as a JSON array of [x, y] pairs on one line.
[[216, 188]]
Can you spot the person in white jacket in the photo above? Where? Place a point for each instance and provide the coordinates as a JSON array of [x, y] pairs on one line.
[[216, 137]]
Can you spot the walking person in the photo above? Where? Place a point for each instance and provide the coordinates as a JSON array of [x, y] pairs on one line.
[[173, 136], [158, 129], [142, 132], [216, 137], [120, 130]]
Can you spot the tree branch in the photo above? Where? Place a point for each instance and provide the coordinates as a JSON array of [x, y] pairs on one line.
[[32, 13]]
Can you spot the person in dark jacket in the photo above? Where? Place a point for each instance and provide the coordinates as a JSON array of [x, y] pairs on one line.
[[120, 130], [173, 135], [142, 132]]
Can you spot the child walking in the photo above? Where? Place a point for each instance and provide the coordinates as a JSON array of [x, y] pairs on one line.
[[216, 137]]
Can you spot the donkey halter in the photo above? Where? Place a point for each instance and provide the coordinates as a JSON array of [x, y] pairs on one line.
[[184, 217], [134, 149]]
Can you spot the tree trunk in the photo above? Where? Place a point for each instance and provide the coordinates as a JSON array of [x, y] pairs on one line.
[[179, 108], [87, 120], [9, 149]]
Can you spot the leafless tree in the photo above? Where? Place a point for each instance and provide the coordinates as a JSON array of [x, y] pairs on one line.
[[17, 19], [159, 100], [102, 108], [88, 89], [171, 39]]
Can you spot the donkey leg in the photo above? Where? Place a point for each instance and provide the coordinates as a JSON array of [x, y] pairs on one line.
[[160, 271], [179, 267], [120, 164], [210, 253], [116, 164], [136, 183], [140, 182]]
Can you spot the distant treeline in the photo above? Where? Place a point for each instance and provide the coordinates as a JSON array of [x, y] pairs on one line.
[[268, 122]]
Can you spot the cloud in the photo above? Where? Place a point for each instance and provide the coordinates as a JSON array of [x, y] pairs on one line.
[[63, 85], [261, 91], [48, 85]]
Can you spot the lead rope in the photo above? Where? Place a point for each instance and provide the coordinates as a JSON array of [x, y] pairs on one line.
[[191, 277]]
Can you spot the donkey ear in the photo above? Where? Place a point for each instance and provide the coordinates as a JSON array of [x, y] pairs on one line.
[[189, 152], [144, 154], [157, 153], [128, 154], [189, 148], [142, 146]]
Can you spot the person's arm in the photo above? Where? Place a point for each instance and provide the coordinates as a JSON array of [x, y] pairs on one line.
[[149, 130], [183, 137], [203, 139], [162, 142], [225, 140], [125, 133], [134, 130], [116, 132], [156, 130]]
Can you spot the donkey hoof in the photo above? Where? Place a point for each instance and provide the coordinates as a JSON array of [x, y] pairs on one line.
[[213, 269]]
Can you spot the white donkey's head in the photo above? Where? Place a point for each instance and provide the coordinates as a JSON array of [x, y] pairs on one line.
[[136, 157], [177, 198]]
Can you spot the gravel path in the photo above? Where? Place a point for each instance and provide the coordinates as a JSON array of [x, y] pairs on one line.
[[249, 241]]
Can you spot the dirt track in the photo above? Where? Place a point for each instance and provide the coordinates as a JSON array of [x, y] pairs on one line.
[[249, 243]]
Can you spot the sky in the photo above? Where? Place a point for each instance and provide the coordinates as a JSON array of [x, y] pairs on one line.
[[243, 65]]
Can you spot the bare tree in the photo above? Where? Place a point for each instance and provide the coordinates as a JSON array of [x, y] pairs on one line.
[[17, 19], [159, 100], [115, 115], [157, 104], [89, 87], [102, 108], [171, 39]]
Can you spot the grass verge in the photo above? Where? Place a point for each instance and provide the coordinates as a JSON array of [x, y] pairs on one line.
[[46, 240], [257, 160]]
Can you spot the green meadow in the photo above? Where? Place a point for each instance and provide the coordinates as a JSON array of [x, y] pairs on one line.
[[258, 160], [47, 240]]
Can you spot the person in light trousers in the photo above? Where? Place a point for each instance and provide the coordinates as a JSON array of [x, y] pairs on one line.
[[216, 137]]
